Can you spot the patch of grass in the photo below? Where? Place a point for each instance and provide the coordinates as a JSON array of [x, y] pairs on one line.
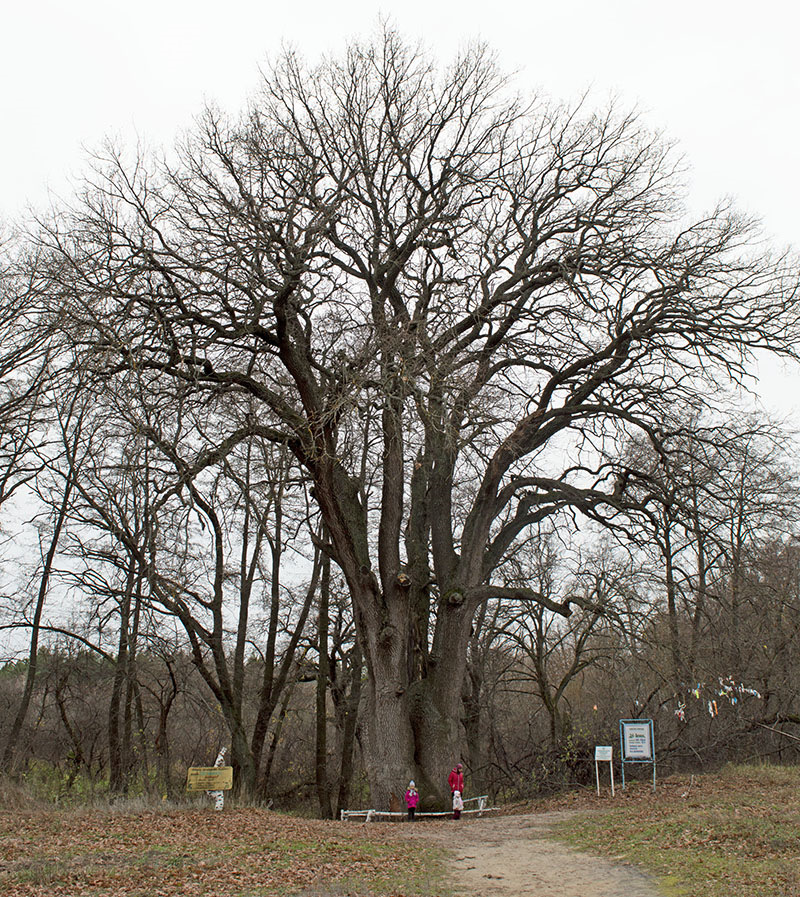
[[734, 834], [42, 872]]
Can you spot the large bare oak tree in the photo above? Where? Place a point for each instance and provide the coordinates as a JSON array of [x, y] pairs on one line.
[[450, 305]]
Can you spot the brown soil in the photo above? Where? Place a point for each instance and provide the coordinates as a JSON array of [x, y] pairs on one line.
[[512, 856]]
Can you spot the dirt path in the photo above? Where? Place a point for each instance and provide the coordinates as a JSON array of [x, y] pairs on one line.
[[509, 856]]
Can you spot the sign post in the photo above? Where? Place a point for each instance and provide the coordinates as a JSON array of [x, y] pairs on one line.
[[604, 754], [637, 744]]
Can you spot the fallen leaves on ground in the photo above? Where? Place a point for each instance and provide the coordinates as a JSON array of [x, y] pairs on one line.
[[196, 852]]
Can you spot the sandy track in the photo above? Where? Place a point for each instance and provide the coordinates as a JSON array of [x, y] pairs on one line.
[[509, 856]]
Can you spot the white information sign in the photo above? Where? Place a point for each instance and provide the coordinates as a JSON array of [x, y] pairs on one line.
[[636, 741], [604, 753]]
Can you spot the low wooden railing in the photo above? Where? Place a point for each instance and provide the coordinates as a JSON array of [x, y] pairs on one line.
[[377, 815]]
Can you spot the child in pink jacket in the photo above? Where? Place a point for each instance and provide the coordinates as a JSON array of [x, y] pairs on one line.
[[412, 799]]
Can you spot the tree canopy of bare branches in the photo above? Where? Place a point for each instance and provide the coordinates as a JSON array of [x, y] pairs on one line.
[[454, 307]]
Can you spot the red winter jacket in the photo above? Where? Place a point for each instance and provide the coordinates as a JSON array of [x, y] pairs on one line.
[[456, 780]]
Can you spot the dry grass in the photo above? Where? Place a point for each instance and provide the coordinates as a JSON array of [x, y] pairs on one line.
[[733, 834]]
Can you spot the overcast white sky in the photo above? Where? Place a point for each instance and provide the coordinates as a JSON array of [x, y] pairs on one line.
[[720, 78]]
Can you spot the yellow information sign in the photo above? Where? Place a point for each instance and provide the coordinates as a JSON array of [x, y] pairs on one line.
[[210, 778]]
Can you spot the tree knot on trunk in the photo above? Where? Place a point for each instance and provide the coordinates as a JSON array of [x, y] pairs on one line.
[[386, 634], [454, 597]]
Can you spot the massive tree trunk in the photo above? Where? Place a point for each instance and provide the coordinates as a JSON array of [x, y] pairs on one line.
[[411, 722], [389, 733], [413, 729], [413, 725]]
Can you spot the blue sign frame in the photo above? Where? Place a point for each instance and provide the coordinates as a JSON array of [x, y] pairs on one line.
[[637, 744]]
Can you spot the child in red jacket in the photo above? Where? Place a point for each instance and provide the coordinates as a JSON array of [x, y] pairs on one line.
[[456, 779]]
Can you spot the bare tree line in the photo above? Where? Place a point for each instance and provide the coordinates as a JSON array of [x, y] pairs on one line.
[[398, 386]]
